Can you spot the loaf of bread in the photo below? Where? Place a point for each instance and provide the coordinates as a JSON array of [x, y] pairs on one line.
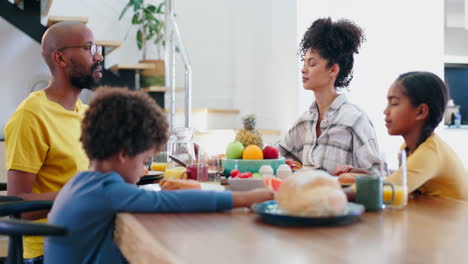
[[313, 193], [176, 184]]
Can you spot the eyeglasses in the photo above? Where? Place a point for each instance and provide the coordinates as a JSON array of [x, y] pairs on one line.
[[92, 48]]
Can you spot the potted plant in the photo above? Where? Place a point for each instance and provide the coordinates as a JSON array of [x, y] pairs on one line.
[[149, 19]]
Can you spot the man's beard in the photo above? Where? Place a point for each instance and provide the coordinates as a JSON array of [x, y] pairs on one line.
[[81, 80]]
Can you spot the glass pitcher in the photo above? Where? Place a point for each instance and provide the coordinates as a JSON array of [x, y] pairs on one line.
[[180, 145]]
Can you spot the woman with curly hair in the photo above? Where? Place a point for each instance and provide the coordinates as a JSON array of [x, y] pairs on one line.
[[333, 132], [120, 132]]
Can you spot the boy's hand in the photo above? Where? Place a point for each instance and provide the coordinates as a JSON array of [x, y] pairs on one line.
[[342, 169], [246, 199]]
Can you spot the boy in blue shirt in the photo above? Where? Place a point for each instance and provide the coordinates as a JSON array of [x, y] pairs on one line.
[[120, 132]]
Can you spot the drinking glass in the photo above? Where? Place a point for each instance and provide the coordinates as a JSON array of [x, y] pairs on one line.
[[401, 186], [208, 168], [159, 161]]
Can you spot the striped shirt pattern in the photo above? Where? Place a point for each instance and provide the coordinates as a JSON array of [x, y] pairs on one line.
[[347, 138]]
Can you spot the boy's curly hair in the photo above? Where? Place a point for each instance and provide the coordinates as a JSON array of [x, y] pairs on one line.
[[335, 42], [119, 119]]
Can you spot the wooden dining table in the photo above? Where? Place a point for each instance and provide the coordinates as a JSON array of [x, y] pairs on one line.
[[428, 230]]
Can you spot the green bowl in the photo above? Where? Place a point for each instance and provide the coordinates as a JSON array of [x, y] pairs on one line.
[[250, 165]]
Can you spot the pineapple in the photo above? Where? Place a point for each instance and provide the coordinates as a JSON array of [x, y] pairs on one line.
[[248, 135]]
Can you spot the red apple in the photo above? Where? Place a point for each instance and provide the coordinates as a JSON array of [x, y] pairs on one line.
[[270, 152], [245, 175], [234, 173]]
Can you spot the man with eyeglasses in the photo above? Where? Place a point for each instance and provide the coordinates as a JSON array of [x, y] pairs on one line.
[[42, 137]]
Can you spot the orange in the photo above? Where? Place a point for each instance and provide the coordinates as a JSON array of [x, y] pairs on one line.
[[252, 152]]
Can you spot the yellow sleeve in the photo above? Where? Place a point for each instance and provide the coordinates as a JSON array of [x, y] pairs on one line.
[[26, 142], [422, 166]]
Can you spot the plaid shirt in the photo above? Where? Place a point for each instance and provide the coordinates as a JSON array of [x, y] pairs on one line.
[[348, 138]]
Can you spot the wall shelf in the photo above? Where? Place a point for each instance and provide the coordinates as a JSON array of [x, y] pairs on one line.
[[449, 59]]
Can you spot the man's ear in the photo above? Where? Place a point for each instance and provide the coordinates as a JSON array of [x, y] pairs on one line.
[[423, 112], [58, 59]]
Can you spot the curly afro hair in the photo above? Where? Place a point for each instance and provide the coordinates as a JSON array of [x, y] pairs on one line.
[[119, 119], [336, 42]]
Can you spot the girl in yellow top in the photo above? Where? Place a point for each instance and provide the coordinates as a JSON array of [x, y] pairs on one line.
[[416, 105]]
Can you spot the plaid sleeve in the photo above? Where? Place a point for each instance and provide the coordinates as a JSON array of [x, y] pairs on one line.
[[366, 149]]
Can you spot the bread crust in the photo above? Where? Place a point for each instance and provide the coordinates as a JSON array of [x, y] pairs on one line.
[[176, 184]]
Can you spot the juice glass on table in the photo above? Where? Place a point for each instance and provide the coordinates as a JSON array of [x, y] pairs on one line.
[[400, 186], [159, 161], [401, 196], [158, 166], [192, 171]]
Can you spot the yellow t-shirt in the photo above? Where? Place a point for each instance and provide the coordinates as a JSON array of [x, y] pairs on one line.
[[434, 169], [42, 138]]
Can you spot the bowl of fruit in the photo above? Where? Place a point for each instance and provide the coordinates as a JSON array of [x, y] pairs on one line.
[[250, 158]]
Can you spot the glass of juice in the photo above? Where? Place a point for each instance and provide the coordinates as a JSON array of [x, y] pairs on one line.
[[401, 196], [192, 171], [159, 161], [158, 166], [400, 185]]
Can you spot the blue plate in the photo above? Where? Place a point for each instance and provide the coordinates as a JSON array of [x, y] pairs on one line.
[[270, 213]]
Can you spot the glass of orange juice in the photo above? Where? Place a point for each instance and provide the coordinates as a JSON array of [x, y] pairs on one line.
[[159, 161], [158, 166], [401, 196], [400, 186]]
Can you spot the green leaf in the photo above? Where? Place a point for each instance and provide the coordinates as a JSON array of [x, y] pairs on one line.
[[151, 8], [136, 7], [139, 39], [160, 7], [135, 20], [149, 16]]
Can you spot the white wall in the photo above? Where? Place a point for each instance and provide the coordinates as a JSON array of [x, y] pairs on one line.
[[21, 68], [264, 54], [456, 42], [401, 36]]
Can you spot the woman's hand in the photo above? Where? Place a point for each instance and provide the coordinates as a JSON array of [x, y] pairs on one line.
[[342, 169], [347, 178]]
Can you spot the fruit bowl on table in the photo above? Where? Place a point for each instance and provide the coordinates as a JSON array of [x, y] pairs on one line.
[[250, 165]]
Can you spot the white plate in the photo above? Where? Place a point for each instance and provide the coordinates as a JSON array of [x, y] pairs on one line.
[[204, 187], [155, 173], [240, 184]]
